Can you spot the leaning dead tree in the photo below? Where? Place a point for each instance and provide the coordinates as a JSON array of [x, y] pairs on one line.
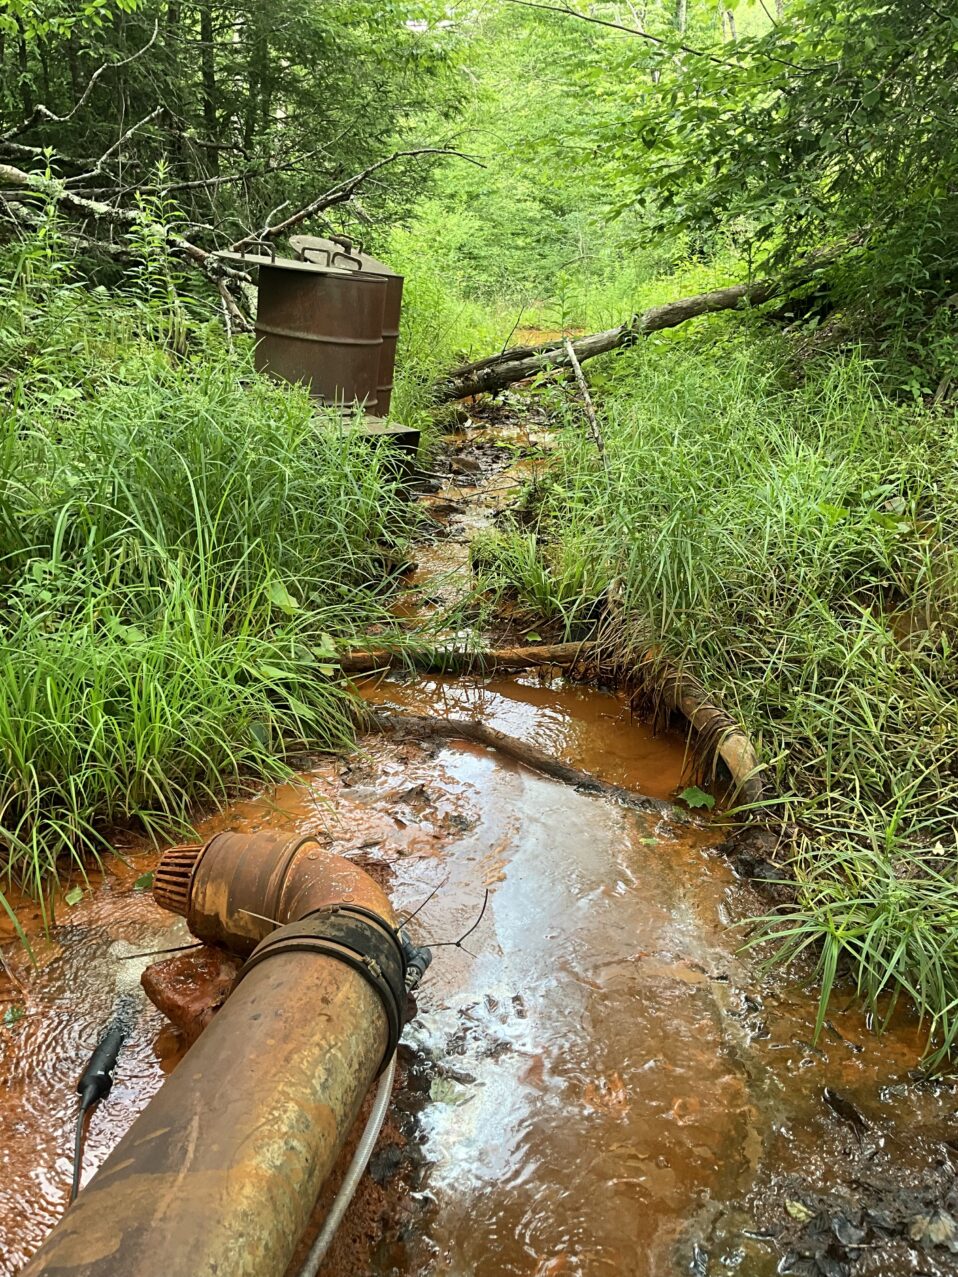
[[517, 364], [496, 372]]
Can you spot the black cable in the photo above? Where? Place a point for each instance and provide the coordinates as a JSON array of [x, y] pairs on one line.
[[77, 1154]]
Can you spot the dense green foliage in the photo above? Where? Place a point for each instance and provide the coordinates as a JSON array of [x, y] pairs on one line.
[[834, 125], [181, 546], [272, 107], [792, 545]]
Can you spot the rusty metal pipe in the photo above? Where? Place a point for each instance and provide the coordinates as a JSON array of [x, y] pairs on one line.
[[219, 1174]]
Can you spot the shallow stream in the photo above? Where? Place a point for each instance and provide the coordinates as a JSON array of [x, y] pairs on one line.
[[598, 1081]]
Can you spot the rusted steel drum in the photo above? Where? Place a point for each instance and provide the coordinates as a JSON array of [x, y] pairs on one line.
[[323, 328], [321, 325], [313, 248]]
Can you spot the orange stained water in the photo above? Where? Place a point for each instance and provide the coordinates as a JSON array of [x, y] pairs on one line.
[[606, 1079]]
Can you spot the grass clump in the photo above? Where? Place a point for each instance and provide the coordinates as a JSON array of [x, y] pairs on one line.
[[183, 547], [793, 543], [554, 586]]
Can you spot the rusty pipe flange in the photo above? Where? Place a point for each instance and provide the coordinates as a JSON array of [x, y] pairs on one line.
[[361, 940], [239, 886]]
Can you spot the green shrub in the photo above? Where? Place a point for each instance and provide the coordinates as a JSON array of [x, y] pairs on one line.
[[794, 545]]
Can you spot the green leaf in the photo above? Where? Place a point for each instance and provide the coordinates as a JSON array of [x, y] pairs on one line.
[[281, 597], [74, 896], [696, 797], [12, 1015], [444, 1091], [274, 671], [532, 637], [326, 646], [144, 882]]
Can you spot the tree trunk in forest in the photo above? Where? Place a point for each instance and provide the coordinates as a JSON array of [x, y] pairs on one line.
[[499, 371], [208, 76], [681, 15]]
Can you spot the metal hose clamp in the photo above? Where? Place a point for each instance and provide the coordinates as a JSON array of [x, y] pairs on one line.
[[361, 940]]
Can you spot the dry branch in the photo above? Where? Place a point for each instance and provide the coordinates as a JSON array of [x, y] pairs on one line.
[[342, 193], [44, 114], [515, 365], [594, 427], [127, 218]]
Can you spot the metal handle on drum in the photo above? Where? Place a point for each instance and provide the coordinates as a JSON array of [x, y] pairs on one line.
[[346, 256]]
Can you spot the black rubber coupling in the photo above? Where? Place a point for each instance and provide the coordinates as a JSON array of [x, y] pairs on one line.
[[361, 940]]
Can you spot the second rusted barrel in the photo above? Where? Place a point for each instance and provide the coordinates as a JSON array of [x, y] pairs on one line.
[[315, 249]]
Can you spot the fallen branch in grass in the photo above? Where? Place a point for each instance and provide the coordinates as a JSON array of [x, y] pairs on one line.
[[594, 428], [499, 371], [125, 218], [98, 207]]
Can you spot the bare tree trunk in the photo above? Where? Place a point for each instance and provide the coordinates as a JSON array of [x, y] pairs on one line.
[[499, 371], [681, 15]]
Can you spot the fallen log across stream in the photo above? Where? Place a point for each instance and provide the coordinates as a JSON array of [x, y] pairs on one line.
[[719, 735], [498, 371], [424, 727]]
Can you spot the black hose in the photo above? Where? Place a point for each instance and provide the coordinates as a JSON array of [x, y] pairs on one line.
[[95, 1083]]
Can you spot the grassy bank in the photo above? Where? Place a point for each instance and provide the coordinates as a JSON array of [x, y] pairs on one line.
[[790, 537], [182, 547]]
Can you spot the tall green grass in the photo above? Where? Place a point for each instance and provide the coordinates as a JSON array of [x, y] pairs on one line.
[[183, 548], [790, 537]]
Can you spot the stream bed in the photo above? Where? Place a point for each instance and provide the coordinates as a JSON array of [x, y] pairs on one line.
[[598, 1081]]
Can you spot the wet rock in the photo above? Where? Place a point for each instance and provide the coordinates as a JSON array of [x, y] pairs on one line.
[[846, 1232], [190, 987], [754, 854], [465, 465], [385, 1163], [844, 1109]]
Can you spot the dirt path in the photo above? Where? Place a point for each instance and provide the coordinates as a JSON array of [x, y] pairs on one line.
[[597, 1082]]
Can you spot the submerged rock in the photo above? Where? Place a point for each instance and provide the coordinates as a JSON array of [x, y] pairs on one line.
[[190, 987]]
